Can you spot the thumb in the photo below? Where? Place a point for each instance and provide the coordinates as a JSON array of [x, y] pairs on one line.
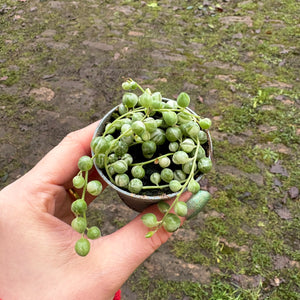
[[128, 247]]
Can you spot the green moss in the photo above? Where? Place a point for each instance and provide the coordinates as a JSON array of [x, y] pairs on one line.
[[287, 289], [94, 217], [235, 155], [219, 288], [11, 75], [237, 119], [23, 108], [120, 222], [243, 74]]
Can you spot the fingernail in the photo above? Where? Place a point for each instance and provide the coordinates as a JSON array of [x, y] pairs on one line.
[[196, 203]]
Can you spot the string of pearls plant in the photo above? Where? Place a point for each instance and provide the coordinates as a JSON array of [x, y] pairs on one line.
[[167, 141]]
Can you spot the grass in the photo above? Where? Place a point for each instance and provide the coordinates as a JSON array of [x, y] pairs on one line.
[[218, 289], [244, 77]]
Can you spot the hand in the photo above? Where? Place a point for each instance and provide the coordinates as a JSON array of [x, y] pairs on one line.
[[37, 257]]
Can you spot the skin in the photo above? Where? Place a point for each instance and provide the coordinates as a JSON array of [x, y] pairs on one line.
[[37, 257]]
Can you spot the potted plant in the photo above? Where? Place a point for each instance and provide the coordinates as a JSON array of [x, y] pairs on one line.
[[149, 149]]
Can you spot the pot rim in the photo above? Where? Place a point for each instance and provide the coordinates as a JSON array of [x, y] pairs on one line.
[[143, 197]]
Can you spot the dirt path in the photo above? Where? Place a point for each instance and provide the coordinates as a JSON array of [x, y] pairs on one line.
[[62, 64]]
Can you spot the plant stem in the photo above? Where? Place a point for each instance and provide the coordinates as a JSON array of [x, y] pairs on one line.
[[139, 87], [183, 187], [151, 160], [85, 184], [86, 176], [149, 187], [153, 187]]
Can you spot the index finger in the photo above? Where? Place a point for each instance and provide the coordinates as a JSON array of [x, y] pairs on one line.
[[61, 164]]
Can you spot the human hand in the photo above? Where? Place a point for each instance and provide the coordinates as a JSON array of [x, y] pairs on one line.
[[37, 257]]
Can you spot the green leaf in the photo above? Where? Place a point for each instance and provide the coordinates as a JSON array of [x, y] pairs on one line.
[[153, 4], [149, 234]]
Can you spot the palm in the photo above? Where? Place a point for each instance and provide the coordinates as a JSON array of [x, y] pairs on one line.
[[37, 241]]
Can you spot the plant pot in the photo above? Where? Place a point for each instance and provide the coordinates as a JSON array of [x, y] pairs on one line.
[[135, 201]]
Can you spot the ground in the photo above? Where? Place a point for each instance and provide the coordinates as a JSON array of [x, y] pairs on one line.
[[62, 65]]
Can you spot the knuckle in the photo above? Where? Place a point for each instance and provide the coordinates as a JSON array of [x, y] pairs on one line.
[[158, 239], [71, 137]]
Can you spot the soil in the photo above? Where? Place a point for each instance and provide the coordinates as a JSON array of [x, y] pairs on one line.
[[62, 65]]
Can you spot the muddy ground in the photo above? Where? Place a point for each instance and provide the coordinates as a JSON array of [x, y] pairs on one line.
[[62, 65]]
